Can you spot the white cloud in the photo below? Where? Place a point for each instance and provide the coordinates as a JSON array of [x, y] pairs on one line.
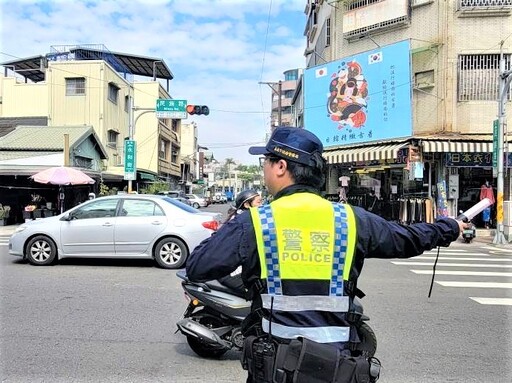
[[218, 51]]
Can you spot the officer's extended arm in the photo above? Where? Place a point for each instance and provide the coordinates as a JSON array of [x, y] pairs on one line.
[[378, 238], [216, 256]]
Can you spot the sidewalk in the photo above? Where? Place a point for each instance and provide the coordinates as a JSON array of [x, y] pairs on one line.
[[8, 230]]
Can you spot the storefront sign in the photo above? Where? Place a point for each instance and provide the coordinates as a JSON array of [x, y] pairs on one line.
[[469, 159], [483, 160], [442, 206]]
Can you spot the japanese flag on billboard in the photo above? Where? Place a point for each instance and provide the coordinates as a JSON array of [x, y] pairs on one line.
[[321, 72]]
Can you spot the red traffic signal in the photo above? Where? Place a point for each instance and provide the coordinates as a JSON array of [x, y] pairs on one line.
[[198, 109]]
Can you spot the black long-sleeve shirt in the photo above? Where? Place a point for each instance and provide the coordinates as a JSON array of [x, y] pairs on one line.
[[235, 242]]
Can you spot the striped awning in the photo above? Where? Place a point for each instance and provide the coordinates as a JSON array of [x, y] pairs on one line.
[[445, 146], [364, 153]]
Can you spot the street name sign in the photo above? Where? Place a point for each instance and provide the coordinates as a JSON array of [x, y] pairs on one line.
[[130, 160], [168, 108], [495, 149]]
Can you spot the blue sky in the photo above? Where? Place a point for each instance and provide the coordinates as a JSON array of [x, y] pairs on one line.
[[218, 51]]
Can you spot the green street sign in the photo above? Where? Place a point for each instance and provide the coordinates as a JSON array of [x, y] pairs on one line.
[[130, 160], [167, 108], [495, 130]]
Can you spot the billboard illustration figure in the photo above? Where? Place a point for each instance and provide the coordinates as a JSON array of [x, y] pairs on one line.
[[348, 96]]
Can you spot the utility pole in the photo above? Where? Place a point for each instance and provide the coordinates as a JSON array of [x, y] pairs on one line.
[[278, 92], [505, 77]]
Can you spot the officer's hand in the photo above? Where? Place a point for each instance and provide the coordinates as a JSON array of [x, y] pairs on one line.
[[463, 225]]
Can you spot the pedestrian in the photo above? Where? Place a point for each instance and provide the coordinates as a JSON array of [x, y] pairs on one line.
[[301, 256]]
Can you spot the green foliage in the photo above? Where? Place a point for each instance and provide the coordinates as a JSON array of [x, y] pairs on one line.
[[4, 211], [104, 189], [155, 187]]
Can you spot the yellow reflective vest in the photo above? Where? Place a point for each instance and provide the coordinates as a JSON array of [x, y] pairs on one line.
[[305, 242]]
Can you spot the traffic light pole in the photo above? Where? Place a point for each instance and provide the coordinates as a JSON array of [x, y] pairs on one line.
[[131, 130], [505, 77]]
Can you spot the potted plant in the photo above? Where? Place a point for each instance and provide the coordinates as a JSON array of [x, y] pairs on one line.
[[4, 214]]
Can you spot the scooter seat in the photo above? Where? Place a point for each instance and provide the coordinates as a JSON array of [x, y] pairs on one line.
[[216, 285]]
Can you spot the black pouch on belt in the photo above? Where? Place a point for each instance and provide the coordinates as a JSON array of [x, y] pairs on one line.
[[311, 362]]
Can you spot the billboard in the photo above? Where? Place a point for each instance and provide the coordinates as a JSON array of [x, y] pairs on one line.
[[360, 98]]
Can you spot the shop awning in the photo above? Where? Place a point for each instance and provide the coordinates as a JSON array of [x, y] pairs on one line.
[[446, 146], [364, 153]]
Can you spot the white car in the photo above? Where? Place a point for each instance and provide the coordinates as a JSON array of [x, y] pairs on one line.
[[196, 201], [134, 226], [219, 198]]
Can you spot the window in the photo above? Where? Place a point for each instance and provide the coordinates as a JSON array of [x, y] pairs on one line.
[[163, 152], [328, 32], [478, 77], [291, 75], [126, 103], [424, 79], [97, 209], [472, 4], [174, 125], [75, 86], [288, 93], [112, 138], [360, 3], [140, 208], [174, 154], [113, 92]]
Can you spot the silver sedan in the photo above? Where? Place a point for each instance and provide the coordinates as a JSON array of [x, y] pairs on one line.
[[123, 226]]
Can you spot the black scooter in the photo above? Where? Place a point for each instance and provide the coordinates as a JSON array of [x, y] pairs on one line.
[[470, 232], [215, 312]]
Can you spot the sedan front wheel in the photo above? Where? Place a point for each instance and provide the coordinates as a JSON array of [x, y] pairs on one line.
[[171, 253], [41, 251]]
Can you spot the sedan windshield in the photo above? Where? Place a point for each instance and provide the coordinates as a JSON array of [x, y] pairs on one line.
[[181, 205]]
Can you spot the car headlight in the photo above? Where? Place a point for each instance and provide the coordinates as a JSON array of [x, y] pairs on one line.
[[19, 229]]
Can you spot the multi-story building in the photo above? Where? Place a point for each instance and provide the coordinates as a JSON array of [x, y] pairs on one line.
[[89, 85], [407, 96], [282, 96]]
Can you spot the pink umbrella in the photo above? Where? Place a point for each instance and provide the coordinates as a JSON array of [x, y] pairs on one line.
[[62, 175]]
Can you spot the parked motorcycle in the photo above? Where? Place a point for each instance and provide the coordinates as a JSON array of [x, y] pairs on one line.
[[215, 312], [468, 233]]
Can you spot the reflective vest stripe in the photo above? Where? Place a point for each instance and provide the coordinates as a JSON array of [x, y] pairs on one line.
[[350, 221], [327, 334], [306, 303], [340, 249], [268, 227]]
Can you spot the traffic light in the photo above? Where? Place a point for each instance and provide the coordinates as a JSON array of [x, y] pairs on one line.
[[198, 109]]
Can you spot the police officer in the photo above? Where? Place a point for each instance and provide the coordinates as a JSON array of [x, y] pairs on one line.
[[301, 255]]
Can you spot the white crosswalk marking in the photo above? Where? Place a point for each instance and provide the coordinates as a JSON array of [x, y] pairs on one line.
[[443, 264], [465, 259], [493, 301], [494, 249], [488, 269], [457, 272], [485, 285]]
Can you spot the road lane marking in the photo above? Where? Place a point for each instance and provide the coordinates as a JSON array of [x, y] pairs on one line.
[[466, 259], [497, 249], [485, 285], [453, 254], [442, 264], [472, 273], [493, 301]]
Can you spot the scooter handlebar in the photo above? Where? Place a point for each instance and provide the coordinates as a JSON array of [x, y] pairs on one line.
[[469, 214]]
